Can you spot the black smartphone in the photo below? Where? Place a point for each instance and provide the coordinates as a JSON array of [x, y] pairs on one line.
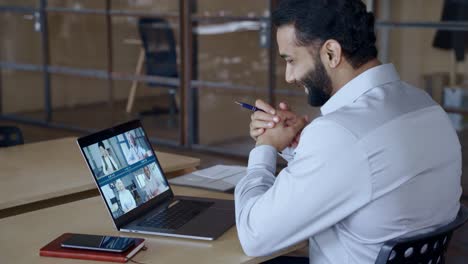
[[100, 243]]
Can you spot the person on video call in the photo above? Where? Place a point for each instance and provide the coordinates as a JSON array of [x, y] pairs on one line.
[[108, 163], [137, 152], [125, 196], [152, 186], [363, 172], [109, 195]]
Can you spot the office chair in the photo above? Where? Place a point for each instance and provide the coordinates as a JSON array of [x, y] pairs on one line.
[[160, 58], [427, 248], [10, 136]]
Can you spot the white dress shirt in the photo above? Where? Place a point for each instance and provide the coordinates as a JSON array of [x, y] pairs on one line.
[[111, 165], [108, 195], [383, 161], [154, 186], [126, 200], [136, 153]]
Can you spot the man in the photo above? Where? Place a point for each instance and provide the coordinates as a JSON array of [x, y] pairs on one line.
[[151, 183], [136, 152], [108, 163], [382, 161]]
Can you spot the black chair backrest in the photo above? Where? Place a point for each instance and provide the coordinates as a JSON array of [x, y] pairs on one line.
[[160, 51], [10, 136], [429, 248]]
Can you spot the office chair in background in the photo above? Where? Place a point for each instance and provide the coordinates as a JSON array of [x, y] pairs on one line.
[[429, 248], [160, 59], [10, 136]]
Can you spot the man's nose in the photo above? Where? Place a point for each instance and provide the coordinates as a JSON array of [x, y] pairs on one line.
[[289, 77]]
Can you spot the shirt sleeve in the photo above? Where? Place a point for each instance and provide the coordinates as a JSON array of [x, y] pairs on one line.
[[288, 154], [143, 152], [104, 166], [114, 163], [123, 201], [132, 200], [328, 179]]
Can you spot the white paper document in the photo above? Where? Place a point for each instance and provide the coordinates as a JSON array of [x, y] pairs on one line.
[[220, 171], [219, 177]]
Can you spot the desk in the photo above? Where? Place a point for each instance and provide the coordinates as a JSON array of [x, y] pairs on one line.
[[33, 173], [23, 235]]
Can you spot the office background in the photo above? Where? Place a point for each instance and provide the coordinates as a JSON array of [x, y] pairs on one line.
[[71, 65]]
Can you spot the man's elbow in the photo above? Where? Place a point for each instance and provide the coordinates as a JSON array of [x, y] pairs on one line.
[[254, 246], [252, 250]]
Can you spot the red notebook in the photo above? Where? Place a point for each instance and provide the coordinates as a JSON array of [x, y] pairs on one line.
[[54, 249]]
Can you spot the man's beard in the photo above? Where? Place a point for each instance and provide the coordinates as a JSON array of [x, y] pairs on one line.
[[318, 84]]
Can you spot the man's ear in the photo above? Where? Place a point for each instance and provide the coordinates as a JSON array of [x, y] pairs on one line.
[[333, 52]]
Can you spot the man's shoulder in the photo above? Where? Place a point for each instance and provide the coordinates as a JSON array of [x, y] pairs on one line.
[[326, 124], [380, 106], [324, 130]]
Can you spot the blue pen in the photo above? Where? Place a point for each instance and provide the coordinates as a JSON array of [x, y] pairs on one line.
[[250, 107]]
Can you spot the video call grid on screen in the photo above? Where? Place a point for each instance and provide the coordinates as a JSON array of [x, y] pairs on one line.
[[126, 171]]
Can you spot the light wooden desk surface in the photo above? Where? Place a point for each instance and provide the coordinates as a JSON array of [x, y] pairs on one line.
[[49, 169], [23, 235]]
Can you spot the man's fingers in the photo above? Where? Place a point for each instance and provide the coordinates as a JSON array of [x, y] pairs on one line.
[[287, 116], [259, 115], [295, 142], [284, 106], [256, 133], [294, 127], [290, 121], [265, 107], [256, 124], [298, 125]]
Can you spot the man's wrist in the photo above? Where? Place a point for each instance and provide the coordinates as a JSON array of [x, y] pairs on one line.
[[265, 142], [263, 156]]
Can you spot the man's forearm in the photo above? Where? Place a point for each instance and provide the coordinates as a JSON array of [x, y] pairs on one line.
[[259, 179]]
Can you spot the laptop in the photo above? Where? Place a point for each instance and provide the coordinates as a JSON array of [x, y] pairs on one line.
[[219, 178], [138, 196]]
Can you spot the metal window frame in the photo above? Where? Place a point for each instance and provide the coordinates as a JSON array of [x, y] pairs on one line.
[[188, 86]]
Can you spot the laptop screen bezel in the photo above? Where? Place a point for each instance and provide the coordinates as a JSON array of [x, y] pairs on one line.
[[144, 208]]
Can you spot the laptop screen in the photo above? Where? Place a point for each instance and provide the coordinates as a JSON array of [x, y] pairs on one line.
[[126, 171]]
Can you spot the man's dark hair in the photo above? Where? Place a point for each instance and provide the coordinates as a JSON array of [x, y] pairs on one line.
[[346, 21], [100, 144]]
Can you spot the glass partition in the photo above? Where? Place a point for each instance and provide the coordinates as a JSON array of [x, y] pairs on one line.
[[102, 70]]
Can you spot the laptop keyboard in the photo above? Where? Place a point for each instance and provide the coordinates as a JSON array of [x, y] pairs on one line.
[[176, 216]]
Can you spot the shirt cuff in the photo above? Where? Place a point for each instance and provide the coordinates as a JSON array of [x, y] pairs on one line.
[[263, 157], [288, 154]]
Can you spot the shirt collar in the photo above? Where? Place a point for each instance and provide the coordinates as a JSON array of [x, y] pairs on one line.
[[373, 77]]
